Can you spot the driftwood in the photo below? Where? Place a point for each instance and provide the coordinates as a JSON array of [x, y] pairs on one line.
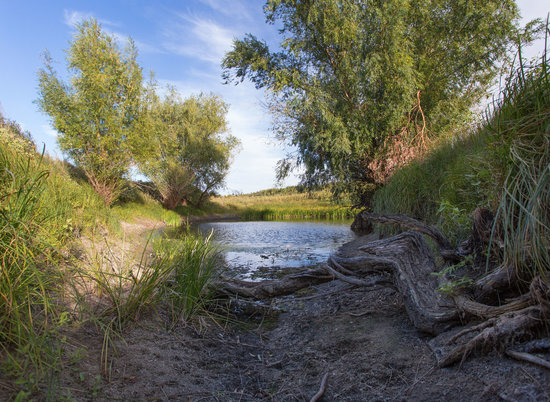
[[274, 288], [405, 263], [322, 389]]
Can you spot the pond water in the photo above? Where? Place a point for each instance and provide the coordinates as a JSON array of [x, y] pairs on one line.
[[268, 249]]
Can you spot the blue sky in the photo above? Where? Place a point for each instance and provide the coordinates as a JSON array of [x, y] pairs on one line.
[[181, 41]]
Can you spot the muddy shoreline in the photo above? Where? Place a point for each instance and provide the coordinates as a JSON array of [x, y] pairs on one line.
[[362, 339]]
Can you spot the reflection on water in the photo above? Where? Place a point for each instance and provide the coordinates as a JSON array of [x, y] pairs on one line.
[[253, 249]]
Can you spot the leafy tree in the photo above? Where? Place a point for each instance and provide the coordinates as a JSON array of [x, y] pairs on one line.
[[97, 113], [352, 76], [188, 151]]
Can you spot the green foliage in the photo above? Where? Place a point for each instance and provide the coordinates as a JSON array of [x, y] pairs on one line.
[[146, 207], [188, 150], [97, 113], [519, 128], [352, 74], [193, 261]]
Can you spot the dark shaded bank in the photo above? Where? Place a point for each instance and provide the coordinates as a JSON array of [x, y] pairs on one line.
[[364, 340]]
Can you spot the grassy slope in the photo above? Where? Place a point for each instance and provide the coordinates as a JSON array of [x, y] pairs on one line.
[[503, 165]]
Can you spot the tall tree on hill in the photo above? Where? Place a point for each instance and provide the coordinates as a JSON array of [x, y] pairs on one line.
[[353, 77], [188, 151], [97, 113]]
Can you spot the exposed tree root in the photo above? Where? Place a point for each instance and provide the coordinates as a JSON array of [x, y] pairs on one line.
[[495, 333], [322, 389], [409, 224], [466, 305], [274, 288], [527, 357], [405, 263]]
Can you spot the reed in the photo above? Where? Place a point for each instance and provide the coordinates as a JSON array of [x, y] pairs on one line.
[[520, 126]]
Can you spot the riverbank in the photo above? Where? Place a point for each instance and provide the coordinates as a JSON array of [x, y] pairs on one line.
[[362, 339]]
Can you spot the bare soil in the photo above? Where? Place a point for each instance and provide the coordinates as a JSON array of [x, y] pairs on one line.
[[362, 339]]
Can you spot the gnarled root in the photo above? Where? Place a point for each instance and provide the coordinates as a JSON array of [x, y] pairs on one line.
[[495, 333]]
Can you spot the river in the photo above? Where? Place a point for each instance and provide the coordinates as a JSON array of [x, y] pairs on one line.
[[269, 249]]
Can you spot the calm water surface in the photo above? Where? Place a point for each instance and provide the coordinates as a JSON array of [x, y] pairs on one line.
[[267, 249]]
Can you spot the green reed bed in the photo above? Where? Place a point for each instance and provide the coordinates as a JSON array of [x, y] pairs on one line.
[[285, 204]]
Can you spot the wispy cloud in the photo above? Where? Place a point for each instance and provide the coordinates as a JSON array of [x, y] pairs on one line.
[[71, 18], [49, 131], [198, 37], [234, 9]]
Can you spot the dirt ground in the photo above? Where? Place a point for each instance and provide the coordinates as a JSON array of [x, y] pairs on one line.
[[363, 340]]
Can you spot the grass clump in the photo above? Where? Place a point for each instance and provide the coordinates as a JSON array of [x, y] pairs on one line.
[[520, 128], [26, 311]]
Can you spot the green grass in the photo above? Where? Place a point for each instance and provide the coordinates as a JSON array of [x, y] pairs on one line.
[[283, 204], [45, 210], [27, 313], [520, 128], [503, 165], [146, 207]]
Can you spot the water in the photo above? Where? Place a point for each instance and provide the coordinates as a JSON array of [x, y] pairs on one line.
[[267, 249]]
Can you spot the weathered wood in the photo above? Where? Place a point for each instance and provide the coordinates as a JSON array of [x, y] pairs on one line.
[[495, 332], [409, 224], [485, 311], [527, 357], [407, 258], [274, 288]]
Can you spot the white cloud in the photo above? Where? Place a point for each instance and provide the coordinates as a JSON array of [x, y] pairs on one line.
[[49, 131], [198, 37], [71, 18]]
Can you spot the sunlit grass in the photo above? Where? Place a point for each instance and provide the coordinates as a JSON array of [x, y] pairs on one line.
[[284, 204]]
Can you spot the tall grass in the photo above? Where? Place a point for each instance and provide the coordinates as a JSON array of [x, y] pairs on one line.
[[503, 164], [113, 288], [520, 127], [25, 308], [443, 187], [193, 264]]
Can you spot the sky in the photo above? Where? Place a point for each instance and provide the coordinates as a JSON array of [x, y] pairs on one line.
[[182, 42]]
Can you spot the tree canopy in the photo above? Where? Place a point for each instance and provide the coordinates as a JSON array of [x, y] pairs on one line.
[[188, 150], [109, 120], [351, 75], [97, 113]]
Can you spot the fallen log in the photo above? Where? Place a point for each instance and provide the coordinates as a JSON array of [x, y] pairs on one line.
[[274, 288]]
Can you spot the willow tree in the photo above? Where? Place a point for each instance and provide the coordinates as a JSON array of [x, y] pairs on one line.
[[354, 76], [96, 114], [188, 149]]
